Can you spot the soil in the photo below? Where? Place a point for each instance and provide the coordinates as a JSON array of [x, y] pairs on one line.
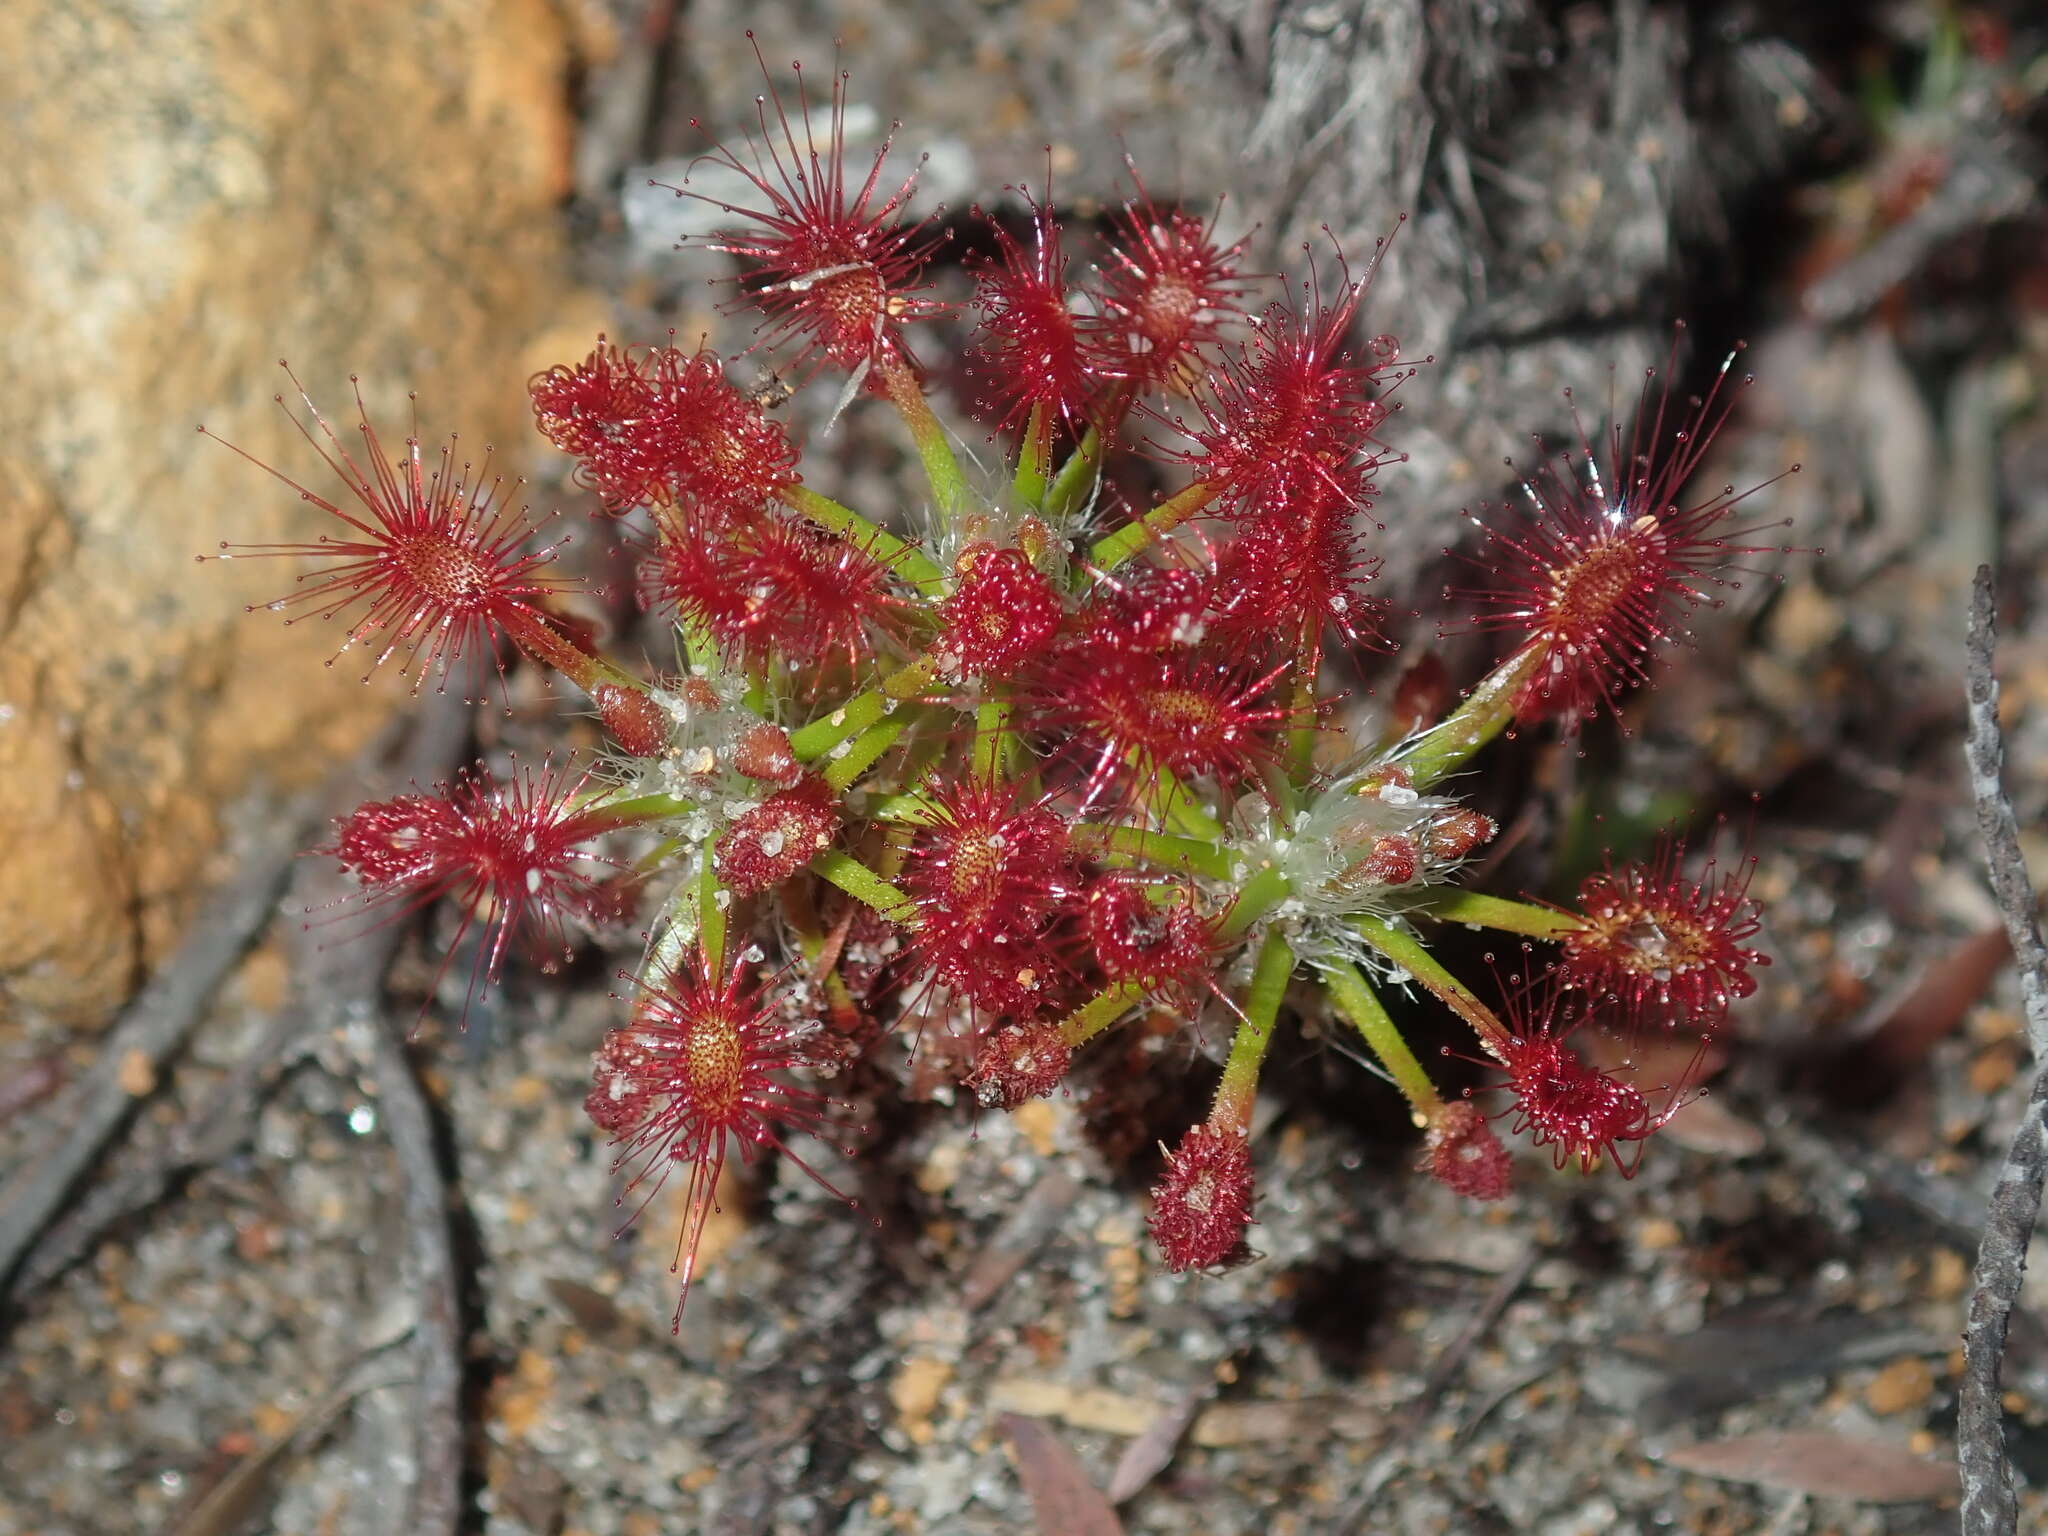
[[1792, 1256]]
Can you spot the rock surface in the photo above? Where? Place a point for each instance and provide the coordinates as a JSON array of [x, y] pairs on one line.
[[366, 189]]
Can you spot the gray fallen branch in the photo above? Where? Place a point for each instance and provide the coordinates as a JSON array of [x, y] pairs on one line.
[[152, 1029], [336, 985], [340, 987], [436, 1505], [1989, 1506], [147, 1170], [143, 1173]]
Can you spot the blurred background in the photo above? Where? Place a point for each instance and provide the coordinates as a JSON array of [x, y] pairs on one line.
[[443, 197]]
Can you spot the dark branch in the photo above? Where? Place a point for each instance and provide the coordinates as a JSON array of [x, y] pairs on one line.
[[149, 1168], [340, 989], [152, 1029], [1989, 1507], [436, 1508]]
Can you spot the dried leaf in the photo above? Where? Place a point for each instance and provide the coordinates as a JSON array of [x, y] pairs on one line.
[[595, 1313], [1743, 1355], [1024, 1231], [248, 1487], [1152, 1452], [1360, 1415], [1708, 1125], [1927, 1014], [1829, 1466], [1062, 1498], [1092, 1408]]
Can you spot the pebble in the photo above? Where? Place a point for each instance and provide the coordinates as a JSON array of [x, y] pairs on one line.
[[1948, 1275], [1037, 1120], [1904, 1384], [137, 1075], [914, 1393], [1992, 1069], [1658, 1233]]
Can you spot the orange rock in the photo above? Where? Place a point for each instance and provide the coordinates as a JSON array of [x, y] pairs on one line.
[[365, 188]]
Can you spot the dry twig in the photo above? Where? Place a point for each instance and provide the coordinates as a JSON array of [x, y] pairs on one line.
[[146, 1170], [436, 1505], [154, 1026], [340, 987], [1989, 1506]]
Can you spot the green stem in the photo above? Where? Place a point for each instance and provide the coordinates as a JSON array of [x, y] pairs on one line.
[[1233, 1107], [1112, 550], [913, 679], [864, 885], [908, 561], [1199, 855], [680, 928], [1181, 808], [639, 808], [1255, 898], [1407, 952], [1099, 1012], [1071, 484], [899, 381], [1302, 734], [1360, 1005], [1487, 711], [809, 742], [1077, 476], [910, 806], [842, 773], [710, 915], [1034, 458], [991, 737], [1521, 917], [656, 856], [700, 648], [755, 699]]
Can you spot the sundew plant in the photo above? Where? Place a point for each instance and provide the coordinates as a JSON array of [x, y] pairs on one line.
[[1010, 772]]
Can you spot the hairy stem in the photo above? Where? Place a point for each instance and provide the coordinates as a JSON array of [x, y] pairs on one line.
[[546, 644], [864, 885], [867, 749], [909, 806], [810, 742], [1407, 952], [905, 558], [624, 813], [711, 914], [991, 737], [1302, 732], [1034, 459], [1181, 808], [1255, 898], [941, 468], [813, 741], [1112, 550], [1355, 999], [1233, 1107], [1071, 485], [1487, 711], [1523, 917], [699, 648], [1099, 1012], [1199, 855]]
